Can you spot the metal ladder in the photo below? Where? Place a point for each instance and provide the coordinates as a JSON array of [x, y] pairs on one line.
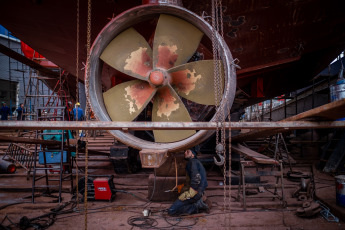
[[20, 155], [63, 159], [277, 171]]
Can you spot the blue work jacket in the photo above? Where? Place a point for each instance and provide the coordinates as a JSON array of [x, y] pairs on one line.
[[197, 175]]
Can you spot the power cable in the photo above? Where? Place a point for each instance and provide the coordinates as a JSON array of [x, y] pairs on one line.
[[7, 205], [142, 222], [180, 219], [154, 185], [132, 194]]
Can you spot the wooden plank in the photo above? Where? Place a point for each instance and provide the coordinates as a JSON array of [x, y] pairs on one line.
[[328, 112], [255, 156]]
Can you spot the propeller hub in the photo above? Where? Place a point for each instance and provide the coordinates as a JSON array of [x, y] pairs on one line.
[[157, 77]]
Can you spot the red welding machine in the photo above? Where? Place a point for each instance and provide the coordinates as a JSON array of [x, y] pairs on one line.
[[98, 187]]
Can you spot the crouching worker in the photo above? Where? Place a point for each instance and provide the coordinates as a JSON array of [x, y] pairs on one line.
[[191, 201]]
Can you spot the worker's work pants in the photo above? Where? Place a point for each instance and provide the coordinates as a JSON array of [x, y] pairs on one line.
[[185, 207]]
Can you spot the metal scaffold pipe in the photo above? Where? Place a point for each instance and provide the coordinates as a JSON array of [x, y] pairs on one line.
[[125, 126]]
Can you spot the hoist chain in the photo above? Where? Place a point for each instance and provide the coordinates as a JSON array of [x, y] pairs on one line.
[[88, 46], [215, 50], [77, 99], [217, 25], [228, 217], [228, 173]]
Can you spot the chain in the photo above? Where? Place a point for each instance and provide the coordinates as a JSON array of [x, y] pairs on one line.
[[77, 99], [222, 115], [215, 65], [217, 25], [77, 61], [228, 217], [229, 171], [88, 45], [221, 18], [223, 135]]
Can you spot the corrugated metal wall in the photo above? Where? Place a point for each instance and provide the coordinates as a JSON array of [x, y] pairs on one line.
[[17, 75]]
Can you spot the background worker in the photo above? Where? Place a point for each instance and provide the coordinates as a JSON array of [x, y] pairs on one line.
[[21, 112], [191, 201], [4, 111], [77, 111], [69, 112]]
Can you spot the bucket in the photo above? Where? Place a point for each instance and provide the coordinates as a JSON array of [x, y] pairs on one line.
[[340, 190], [338, 90]]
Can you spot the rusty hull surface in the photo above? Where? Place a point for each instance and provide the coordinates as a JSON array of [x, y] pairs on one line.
[[284, 42]]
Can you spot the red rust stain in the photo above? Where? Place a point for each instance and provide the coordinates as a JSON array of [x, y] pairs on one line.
[[167, 56], [137, 95], [139, 62], [166, 103], [185, 80]]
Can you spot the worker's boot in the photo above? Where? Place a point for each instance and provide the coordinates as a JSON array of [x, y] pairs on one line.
[[209, 204], [202, 206]]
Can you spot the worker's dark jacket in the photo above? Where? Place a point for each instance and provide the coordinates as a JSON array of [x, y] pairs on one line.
[[197, 175]]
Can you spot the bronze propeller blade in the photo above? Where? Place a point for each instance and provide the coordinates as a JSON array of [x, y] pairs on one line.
[[124, 102], [175, 42], [129, 53], [195, 81], [167, 106]]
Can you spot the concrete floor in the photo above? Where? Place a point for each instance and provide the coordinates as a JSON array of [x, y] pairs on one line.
[[262, 213]]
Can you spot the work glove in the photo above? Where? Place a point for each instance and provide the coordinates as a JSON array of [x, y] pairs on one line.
[[188, 194], [180, 187]]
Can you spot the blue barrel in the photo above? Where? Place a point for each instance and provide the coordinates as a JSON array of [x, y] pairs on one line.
[[340, 190]]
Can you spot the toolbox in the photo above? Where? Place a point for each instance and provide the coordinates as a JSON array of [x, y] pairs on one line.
[[52, 157]]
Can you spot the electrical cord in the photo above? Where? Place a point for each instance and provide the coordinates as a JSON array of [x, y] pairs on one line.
[[6, 227], [151, 223], [132, 194], [142, 222], [36, 223], [179, 220], [43, 221], [7, 205], [46, 220], [154, 186], [100, 211]]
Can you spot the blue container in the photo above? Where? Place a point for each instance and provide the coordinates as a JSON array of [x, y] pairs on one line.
[[52, 157], [338, 90], [340, 190]]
